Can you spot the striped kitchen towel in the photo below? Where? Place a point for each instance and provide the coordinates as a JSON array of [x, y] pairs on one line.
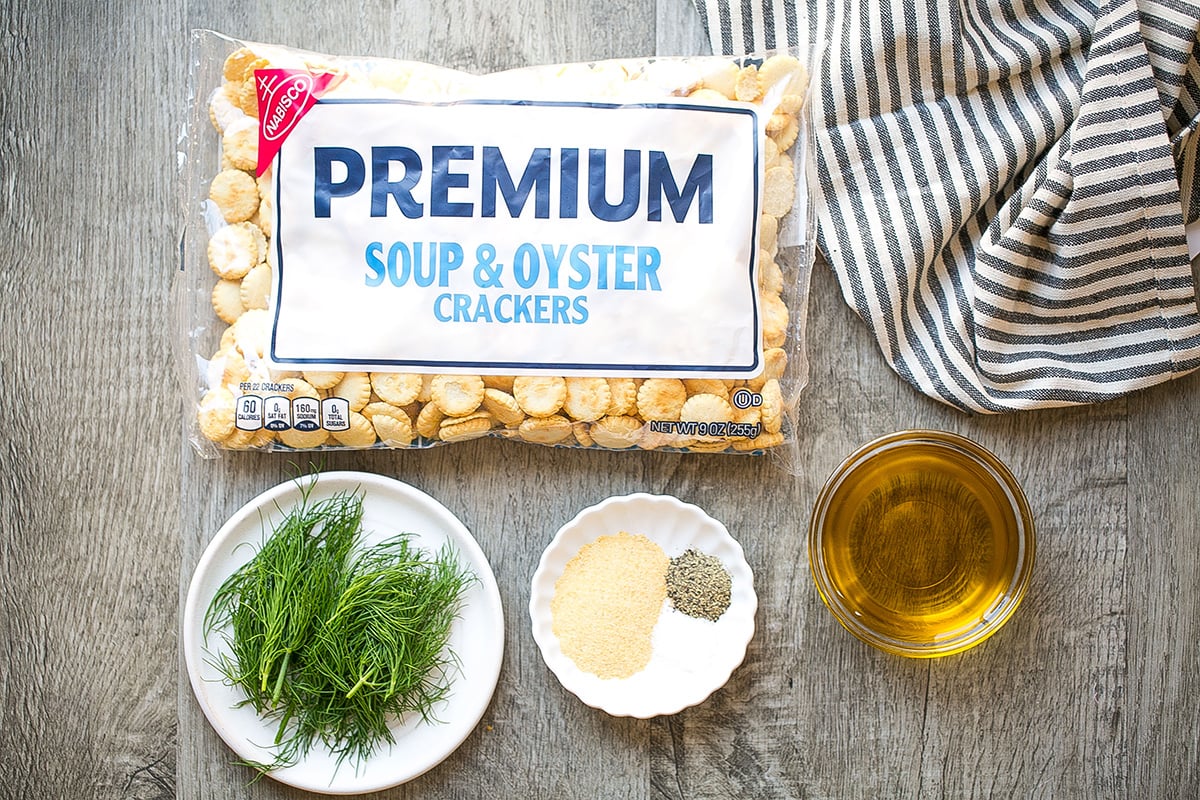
[[1003, 186]]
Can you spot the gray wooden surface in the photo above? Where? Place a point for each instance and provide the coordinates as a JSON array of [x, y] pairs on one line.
[[1091, 691]]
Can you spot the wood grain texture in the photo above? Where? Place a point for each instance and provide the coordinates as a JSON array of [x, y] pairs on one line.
[[91, 425], [1088, 692], [1161, 615]]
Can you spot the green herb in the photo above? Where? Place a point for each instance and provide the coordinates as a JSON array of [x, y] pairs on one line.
[[698, 585], [335, 643]]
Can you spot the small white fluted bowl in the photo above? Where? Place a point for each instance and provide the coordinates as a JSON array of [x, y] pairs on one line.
[[692, 658]]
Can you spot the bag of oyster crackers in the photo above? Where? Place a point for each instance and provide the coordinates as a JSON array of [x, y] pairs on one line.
[[388, 254]]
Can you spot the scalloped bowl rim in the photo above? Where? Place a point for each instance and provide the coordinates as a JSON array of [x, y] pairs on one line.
[[665, 686]]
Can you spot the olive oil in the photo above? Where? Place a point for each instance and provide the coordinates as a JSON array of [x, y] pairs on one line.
[[922, 544]]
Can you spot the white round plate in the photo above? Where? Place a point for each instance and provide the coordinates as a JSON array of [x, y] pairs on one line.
[[691, 658], [389, 508]]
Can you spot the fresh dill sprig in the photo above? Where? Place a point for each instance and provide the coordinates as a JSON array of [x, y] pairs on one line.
[[334, 643]]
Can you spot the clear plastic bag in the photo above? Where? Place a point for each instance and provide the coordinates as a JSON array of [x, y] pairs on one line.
[[391, 254]]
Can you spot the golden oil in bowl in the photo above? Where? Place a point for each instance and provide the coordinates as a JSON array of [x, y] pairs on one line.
[[921, 543]]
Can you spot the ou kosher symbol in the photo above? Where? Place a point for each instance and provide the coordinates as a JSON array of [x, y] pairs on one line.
[[744, 398]]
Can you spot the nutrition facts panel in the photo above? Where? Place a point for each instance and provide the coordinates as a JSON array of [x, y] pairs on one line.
[[277, 412]]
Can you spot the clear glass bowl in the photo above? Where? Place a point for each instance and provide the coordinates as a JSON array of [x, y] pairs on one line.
[[922, 543]]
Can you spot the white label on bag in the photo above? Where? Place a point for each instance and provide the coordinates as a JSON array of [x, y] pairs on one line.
[[519, 237]]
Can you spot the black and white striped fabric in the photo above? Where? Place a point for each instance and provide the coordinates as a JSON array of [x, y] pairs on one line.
[[1002, 186]]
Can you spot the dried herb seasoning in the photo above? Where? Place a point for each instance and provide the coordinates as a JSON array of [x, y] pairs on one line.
[[699, 585]]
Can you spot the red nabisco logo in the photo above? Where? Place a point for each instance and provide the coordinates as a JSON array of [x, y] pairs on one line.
[[284, 97]]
